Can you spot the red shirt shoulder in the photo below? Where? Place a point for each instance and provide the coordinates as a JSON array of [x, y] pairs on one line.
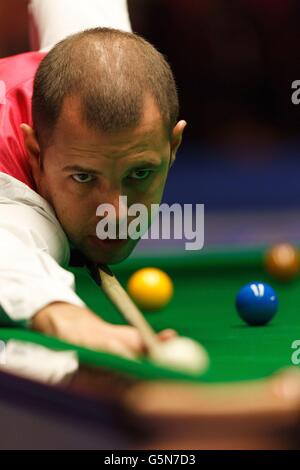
[[16, 85]]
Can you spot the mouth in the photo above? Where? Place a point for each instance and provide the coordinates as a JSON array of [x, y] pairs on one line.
[[108, 243]]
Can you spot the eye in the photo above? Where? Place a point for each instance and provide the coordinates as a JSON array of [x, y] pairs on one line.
[[140, 174], [83, 177]]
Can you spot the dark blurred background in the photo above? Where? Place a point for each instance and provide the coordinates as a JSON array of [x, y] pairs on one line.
[[234, 63]]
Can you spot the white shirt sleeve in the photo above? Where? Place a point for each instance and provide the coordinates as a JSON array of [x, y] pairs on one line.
[[54, 20], [33, 249]]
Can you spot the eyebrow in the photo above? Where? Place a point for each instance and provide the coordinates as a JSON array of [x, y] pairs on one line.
[[92, 171], [81, 169], [146, 164]]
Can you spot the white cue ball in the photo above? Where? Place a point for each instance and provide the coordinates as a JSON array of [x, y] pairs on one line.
[[181, 353]]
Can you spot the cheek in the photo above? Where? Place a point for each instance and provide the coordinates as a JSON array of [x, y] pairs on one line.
[[157, 189], [153, 193], [72, 211], [75, 213], [160, 182]]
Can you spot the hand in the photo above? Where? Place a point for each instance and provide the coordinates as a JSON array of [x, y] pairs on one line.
[[80, 326]]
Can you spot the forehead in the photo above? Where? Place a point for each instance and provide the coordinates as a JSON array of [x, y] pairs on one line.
[[72, 130]]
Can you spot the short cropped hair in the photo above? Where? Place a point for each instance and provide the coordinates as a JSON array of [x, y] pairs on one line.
[[110, 71]]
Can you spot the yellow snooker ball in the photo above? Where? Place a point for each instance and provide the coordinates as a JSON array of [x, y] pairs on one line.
[[150, 288]]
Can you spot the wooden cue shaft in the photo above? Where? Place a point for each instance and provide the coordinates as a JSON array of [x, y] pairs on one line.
[[119, 297]]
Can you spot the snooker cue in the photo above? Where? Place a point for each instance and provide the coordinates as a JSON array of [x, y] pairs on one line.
[[112, 288]]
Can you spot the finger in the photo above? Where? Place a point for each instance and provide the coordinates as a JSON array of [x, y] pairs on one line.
[[120, 349], [110, 340], [167, 334], [131, 338]]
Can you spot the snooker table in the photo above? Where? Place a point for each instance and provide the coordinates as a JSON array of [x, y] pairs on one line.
[[249, 398]]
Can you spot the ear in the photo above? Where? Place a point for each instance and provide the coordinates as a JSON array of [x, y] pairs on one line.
[[31, 145], [176, 139]]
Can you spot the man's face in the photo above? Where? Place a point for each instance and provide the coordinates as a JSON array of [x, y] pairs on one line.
[[83, 168]]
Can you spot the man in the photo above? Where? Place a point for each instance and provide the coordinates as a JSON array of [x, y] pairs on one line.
[[103, 124]]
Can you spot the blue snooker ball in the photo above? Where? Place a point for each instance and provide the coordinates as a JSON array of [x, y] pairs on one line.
[[257, 303]]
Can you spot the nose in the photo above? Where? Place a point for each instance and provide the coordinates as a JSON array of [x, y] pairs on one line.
[[113, 206]]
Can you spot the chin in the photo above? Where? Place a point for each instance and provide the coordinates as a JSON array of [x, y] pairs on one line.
[[108, 256]]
